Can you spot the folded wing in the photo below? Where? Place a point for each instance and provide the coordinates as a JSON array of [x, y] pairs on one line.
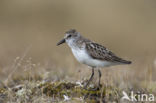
[[97, 51]]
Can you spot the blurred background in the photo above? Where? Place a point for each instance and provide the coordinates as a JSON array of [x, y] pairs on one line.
[[33, 27]]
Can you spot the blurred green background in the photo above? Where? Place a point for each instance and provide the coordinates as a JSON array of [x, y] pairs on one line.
[[127, 27]]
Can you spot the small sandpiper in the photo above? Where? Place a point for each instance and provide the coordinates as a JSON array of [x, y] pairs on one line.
[[90, 53]]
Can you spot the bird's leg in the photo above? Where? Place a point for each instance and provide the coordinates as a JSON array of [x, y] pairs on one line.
[[99, 77], [91, 77]]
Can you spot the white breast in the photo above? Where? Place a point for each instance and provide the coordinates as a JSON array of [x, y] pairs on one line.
[[82, 56]]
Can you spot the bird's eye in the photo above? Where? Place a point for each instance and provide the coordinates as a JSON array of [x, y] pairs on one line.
[[69, 36]]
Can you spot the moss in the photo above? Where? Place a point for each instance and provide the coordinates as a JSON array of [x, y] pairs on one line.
[[58, 89], [2, 90], [3, 94]]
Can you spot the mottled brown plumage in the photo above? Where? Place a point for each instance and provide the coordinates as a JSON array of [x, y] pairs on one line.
[[98, 51]]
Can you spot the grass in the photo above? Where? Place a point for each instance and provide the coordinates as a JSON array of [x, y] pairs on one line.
[[33, 83], [57, 92], [61, 91]]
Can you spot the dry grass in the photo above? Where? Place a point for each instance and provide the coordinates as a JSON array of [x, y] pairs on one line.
[[31, 82], [30, 29]]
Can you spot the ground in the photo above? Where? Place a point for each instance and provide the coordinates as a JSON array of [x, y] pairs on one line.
[[32, 86]]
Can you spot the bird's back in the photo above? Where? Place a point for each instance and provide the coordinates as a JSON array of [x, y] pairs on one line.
[[99, 52]]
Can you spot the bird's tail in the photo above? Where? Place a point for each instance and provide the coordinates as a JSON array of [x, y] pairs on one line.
[[126, 62], [120, 60]]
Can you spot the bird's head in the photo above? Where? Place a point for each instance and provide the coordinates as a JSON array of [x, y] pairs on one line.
[[70, 36]]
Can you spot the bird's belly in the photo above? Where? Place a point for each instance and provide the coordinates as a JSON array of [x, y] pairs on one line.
[[83, 57]]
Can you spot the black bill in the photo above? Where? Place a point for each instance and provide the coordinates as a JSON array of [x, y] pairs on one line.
[[61, 42]]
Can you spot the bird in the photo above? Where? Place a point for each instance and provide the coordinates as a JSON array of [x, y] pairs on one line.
[[90, 53]]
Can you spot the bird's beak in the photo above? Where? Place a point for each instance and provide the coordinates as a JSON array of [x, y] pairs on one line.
[[61, 42]]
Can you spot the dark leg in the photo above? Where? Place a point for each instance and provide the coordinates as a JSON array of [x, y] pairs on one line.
[[99, 77], [91, 77]]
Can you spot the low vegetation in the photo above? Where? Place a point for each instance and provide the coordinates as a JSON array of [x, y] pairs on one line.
[[33, 83], [30, 91]]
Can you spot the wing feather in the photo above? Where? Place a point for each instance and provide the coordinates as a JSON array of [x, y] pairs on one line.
[[98, 51]]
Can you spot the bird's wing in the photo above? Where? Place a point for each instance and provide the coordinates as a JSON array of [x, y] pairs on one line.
[[98, 51]]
